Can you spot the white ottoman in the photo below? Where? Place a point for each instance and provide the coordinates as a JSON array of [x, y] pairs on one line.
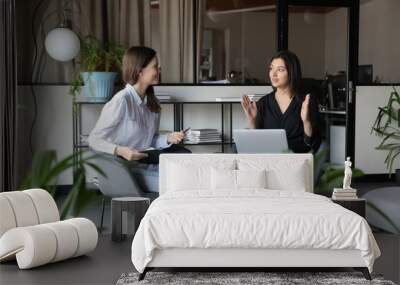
[[386, 202], [31, 232]]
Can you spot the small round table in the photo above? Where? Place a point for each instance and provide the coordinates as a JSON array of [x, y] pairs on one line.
[[126, 214]]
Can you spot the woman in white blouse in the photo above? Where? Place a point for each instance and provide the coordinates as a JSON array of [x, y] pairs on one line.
[[129, 122]]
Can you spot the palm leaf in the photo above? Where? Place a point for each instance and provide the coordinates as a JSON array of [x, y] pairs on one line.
[[42, 163], [46, 169], [383, 127], [71, 198], [391, 161]]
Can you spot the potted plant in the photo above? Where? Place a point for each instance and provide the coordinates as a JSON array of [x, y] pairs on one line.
[[45, 170], [100, 64], [387, 126]]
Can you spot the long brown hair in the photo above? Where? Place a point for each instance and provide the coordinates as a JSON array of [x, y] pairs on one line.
[[135, 59]]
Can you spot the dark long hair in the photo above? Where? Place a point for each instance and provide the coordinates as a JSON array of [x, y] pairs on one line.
[[293, 68], [135, 59]]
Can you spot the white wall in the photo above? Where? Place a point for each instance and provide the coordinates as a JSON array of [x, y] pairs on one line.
[[367, 158], [53, 126]]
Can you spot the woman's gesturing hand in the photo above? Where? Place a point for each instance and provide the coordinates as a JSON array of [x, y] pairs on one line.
[[175, 137], [129, 154], [304, 114], [250, 109], [304, 109]]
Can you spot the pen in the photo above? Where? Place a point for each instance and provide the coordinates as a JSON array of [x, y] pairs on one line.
[[186, 130]]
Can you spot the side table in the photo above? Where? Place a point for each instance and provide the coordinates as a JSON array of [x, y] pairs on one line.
[[355, 205], [126, 214]]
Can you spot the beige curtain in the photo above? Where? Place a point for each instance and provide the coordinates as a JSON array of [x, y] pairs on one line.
[[176, 41], [89, 19], [201, 8], [126, 21], [8, 98]]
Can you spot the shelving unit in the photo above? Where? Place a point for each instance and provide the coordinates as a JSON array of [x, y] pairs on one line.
[[178, 114]]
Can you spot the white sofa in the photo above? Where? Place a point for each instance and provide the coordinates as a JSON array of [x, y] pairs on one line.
[[31, 231], [240, 210]]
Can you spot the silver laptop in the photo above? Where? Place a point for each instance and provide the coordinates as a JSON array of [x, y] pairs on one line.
[[260, 141]]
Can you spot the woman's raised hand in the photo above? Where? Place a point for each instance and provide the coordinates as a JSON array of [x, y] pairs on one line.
[[175, 137], [129, 154], [250, 109], [304, 113]]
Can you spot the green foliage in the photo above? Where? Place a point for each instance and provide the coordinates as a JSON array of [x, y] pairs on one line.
[[97, 56], [332, 177], [387, 126], [45, 170]]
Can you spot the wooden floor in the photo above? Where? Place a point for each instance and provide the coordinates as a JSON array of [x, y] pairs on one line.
[[103, 266]]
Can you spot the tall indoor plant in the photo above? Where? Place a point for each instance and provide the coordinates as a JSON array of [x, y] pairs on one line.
[[387, 126], [100, 64], [46, 169]]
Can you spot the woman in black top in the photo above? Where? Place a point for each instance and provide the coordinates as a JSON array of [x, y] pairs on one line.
[[286, 107]]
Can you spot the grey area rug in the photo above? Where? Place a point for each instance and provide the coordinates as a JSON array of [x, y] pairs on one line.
[[229, 278]]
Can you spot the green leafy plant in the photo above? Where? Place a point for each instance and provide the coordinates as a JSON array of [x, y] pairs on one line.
[[96, 56], [45, 170], [332, 177], [329, 175], [387, 125]]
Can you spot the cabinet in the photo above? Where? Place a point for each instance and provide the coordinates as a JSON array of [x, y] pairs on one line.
[[356, 205]]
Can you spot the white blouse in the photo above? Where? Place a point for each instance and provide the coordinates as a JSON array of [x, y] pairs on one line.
[[126, 121]]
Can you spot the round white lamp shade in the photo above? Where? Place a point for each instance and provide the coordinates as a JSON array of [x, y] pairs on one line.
[[62, 44]]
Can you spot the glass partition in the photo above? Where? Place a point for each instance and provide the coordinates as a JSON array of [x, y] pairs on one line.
[[236, 40]]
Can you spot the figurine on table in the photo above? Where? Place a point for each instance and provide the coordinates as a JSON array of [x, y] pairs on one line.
[[347, 174]]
